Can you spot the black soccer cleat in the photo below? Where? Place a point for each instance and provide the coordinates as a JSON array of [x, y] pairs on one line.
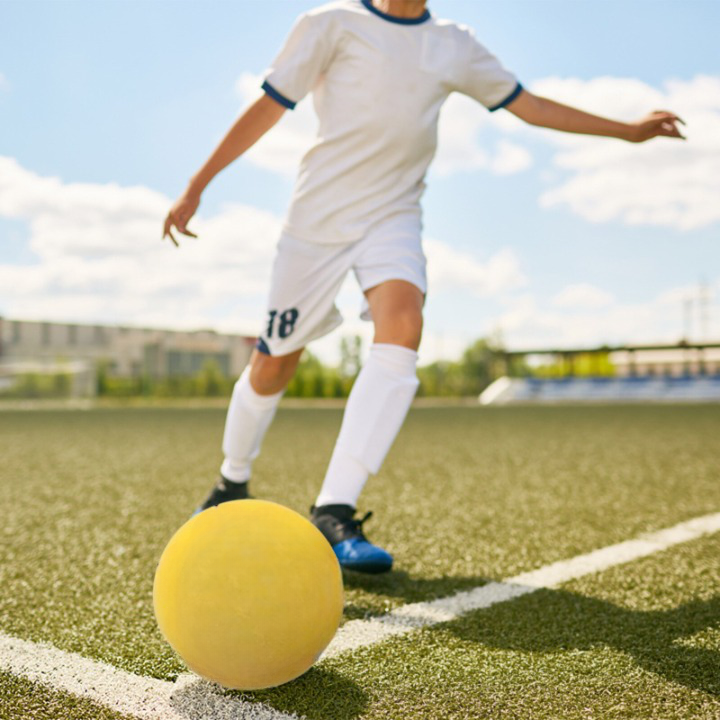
[[224, 491], [344, 533]]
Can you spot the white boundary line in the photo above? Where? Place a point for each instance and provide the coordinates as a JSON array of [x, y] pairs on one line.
[[190, 698], [362, 633]]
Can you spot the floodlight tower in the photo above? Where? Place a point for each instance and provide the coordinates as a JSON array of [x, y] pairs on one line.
[[687, 317], [704, 309]]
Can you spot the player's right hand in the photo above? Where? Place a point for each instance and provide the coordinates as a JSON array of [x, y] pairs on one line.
[[179, 216]]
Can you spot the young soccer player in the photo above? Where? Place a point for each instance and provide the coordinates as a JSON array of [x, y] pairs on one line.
[[379, 72]]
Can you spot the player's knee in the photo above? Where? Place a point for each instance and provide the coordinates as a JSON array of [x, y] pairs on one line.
[[269, 375], [403, 328]]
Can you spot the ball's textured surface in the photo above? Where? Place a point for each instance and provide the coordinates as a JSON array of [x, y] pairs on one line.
[[248, 593]]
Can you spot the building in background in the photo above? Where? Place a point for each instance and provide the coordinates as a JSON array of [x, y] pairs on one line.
[[50, 348]]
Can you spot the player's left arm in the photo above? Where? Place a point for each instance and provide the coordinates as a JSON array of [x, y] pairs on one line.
[[544, 112]]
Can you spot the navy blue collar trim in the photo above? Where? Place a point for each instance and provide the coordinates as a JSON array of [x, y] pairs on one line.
[[394, 18]]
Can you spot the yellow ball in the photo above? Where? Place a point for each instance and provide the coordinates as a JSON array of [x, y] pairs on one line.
[[248, 593]]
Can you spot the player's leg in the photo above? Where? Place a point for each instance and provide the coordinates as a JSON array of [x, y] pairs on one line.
[[304, 284], [252, 408], [381, 395]]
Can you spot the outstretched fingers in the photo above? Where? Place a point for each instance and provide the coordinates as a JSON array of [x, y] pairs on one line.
[[669, 128], [167, 230], [668, 124], [179, 222]]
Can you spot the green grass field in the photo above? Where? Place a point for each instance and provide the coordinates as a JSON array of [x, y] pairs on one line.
[[89, 500]]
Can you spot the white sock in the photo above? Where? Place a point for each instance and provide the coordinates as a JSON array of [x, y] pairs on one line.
[[248, 418], [374, 414]]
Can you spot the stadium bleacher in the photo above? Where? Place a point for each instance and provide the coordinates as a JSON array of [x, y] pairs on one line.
[[507, 390]]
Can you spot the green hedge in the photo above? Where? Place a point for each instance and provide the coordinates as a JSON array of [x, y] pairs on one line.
[[39, 385]]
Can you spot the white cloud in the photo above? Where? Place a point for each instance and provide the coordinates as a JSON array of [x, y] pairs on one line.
[[510, 159], [663, 182], [99, 257], [437, 345], [530, 323], [467, 141], [453, 270], [582, 295]]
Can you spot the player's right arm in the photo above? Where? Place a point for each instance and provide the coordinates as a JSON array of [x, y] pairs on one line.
[[263, 114]]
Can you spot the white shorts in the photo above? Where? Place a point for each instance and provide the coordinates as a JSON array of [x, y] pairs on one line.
[[307, 277]]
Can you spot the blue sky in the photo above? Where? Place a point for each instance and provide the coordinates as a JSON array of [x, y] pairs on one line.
[[107, 107]]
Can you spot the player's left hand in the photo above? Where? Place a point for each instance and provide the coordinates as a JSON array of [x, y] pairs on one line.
[[660, 123]]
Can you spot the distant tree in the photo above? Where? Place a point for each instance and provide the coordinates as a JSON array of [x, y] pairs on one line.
[[101, 375], [61, 385], [308, 378], [29, 385], [477, 367], [210, 381]]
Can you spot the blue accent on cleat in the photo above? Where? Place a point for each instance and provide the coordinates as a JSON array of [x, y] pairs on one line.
[[361, 555], [346, 537]]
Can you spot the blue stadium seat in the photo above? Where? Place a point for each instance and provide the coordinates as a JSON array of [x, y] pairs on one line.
[[687, 388]]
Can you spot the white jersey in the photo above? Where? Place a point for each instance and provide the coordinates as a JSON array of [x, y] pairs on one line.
[[378, 83]]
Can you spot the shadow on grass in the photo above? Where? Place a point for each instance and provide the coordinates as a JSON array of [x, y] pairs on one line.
[[318, 694], [550, 621], [398, 584]]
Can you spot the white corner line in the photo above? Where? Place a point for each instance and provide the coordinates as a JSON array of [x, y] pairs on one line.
[[357, 634], [189, 698]]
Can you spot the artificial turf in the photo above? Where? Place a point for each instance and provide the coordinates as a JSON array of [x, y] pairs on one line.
[[467, 494], [637, 641]]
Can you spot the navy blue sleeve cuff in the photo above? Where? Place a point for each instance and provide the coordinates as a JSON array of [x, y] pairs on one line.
[[278, 97], [518, 89]]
